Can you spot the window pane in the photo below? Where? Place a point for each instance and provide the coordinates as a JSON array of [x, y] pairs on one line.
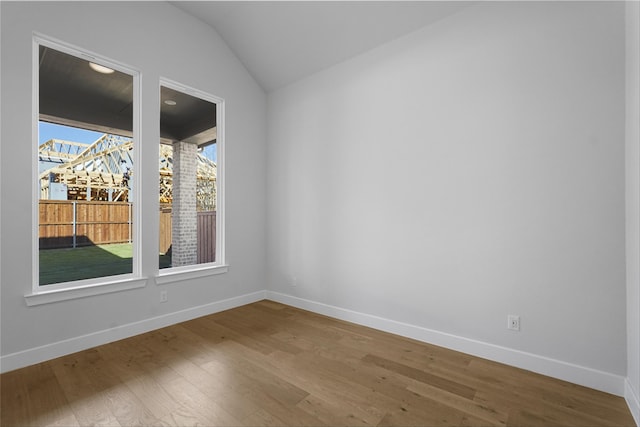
[[85, 169], [188, 179]]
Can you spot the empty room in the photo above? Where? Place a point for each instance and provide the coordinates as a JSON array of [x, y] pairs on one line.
[[323, 213]]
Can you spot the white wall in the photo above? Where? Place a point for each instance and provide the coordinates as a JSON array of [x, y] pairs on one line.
[[159, 40], [468, 171], [633, 206]]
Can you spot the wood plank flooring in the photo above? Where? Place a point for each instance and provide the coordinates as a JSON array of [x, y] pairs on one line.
[[267, 364]]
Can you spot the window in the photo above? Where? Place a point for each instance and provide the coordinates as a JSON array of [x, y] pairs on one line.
[[86, 179], [85, 176], [190, 177]]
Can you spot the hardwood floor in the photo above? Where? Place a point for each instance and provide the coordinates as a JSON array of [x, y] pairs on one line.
[[268, 364]]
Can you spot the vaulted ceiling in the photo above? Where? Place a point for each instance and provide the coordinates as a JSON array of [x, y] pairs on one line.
[[280, 42]]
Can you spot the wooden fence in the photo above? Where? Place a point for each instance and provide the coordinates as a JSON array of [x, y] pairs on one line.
[[206, 233], [73, 223], [206, 236], [165, 228]]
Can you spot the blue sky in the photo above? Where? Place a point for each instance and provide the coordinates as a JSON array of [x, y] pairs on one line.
[[49, 131], [210, 152]]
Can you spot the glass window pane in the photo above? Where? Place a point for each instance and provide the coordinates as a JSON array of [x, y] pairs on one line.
[[188, 179], [85, 169]]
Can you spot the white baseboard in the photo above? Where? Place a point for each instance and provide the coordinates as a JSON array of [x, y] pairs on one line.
[[576, 374], [633, 401], [599, 380], [35, 355]]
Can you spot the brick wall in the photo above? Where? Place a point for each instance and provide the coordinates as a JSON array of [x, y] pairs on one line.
[[184, 228]]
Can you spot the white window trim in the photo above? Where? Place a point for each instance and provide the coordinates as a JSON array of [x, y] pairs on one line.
[[97, 286], [80, 290], [176, 274]]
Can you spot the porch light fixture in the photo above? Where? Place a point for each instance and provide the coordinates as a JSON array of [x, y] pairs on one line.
[[100, 68]]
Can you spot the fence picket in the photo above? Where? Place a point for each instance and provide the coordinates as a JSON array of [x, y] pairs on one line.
[[72, 223]]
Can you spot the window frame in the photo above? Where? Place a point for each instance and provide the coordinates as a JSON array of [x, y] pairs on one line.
[[175, 274], [100, 285]]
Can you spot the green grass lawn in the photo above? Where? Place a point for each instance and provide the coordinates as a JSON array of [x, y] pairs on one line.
[[88, 262]]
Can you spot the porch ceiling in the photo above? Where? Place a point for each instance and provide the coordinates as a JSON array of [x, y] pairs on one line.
[[72, 93]]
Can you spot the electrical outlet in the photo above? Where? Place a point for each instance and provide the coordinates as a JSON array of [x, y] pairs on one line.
[[513, 322], [294, 281], [163, 296]]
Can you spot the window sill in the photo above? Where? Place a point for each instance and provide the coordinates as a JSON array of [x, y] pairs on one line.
[[178, 274], [50, 296]]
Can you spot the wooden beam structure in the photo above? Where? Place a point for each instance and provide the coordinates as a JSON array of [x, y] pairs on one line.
[[103, 171], [98, 171], [205, 180]]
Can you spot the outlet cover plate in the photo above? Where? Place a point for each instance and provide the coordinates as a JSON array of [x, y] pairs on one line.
[[513, 322]]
